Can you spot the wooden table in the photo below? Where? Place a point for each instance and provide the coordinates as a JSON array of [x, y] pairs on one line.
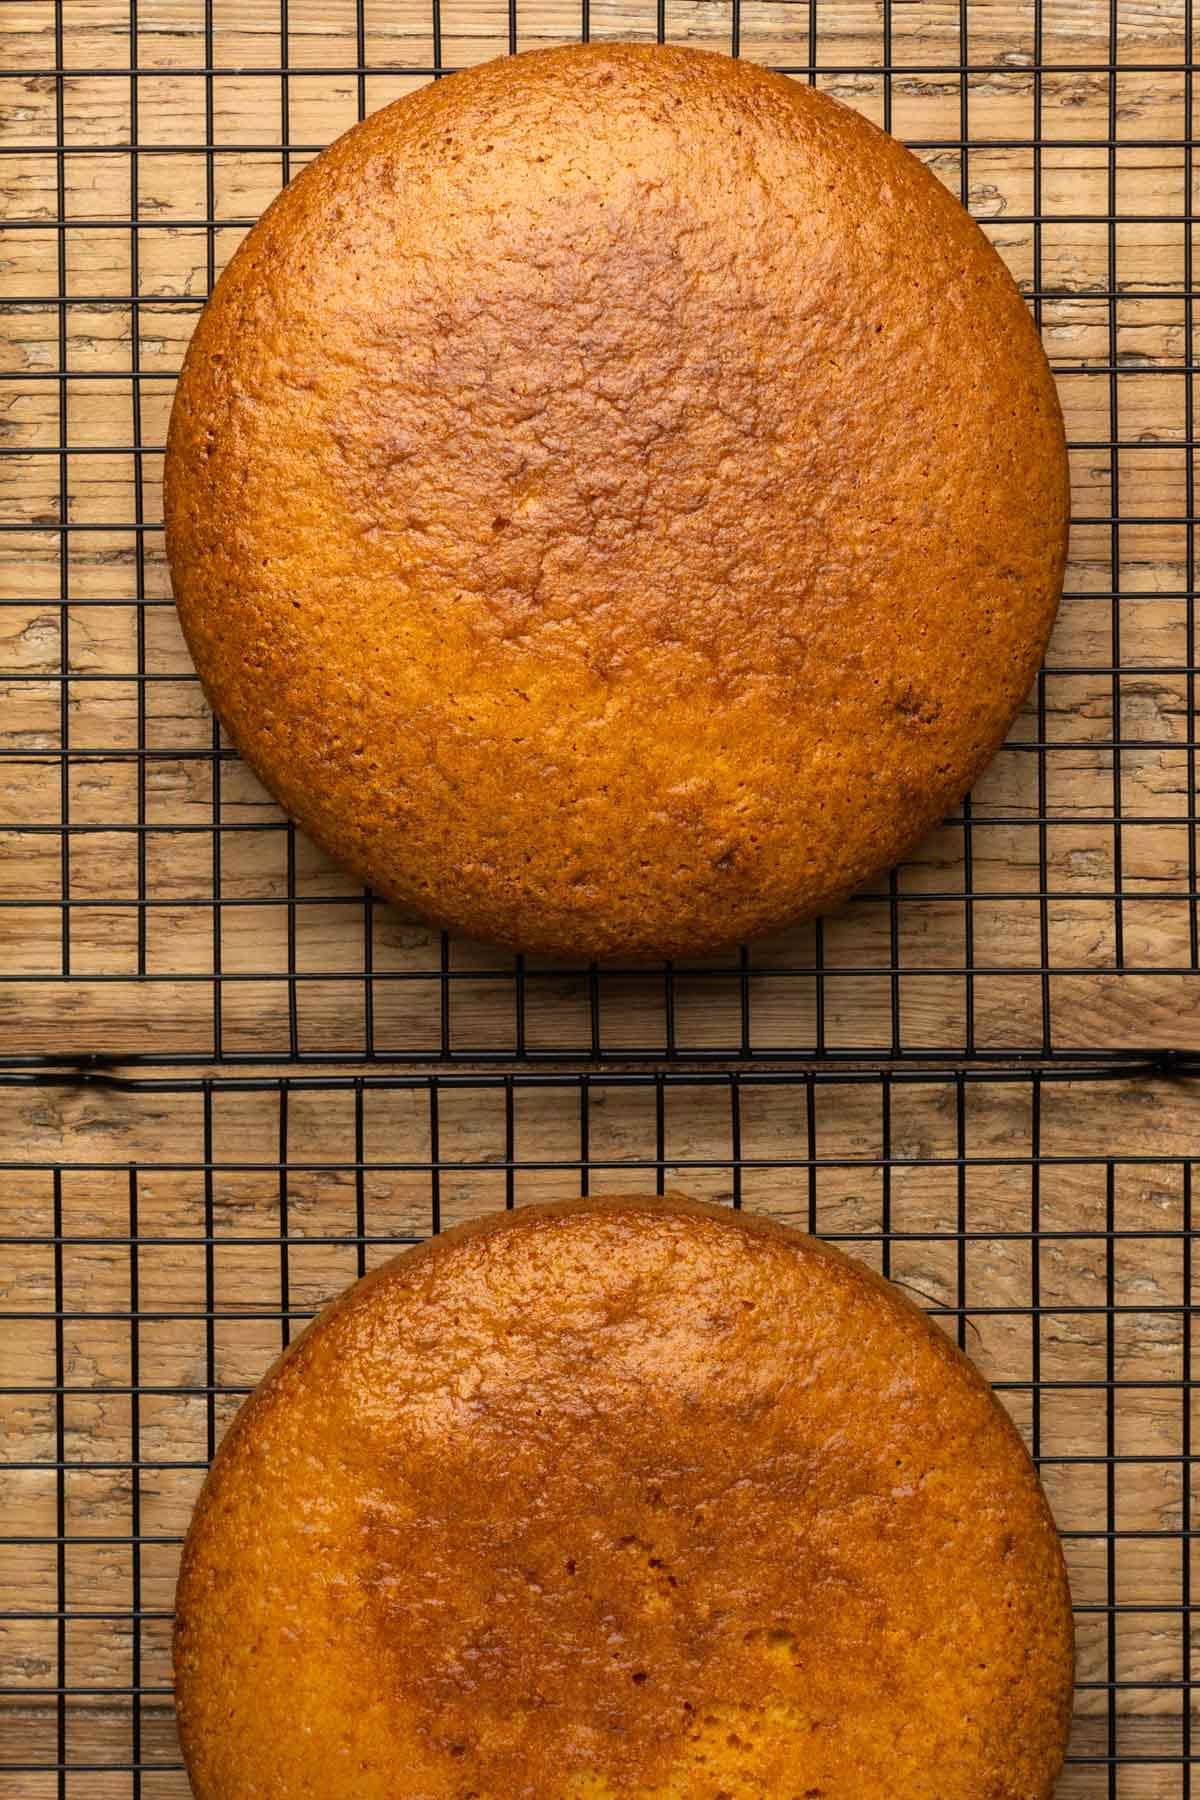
[[1058, 913]]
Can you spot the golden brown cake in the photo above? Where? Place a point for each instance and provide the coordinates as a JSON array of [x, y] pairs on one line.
[[628, 1498], [617, 501]]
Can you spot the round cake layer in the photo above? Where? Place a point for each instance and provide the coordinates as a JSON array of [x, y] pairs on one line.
[[616, 499], [628, 1498]]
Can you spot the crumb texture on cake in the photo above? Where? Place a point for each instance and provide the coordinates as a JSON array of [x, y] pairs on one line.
[[619, 1499], [616, 499]]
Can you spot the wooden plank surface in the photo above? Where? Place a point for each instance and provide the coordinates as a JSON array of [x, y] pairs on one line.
[[1150, 1128], [83, 622], [1076, 901]]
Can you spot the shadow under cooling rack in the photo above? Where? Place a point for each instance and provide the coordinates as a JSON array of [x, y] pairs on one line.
[[163, 1238]]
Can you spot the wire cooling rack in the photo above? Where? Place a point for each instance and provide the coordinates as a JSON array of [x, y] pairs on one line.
[[164, 1237], [162, 1232], [157, 904]]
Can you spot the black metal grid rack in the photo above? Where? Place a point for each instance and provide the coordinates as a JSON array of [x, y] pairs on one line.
[[157, 898], [161, 1232], [183, 1227]]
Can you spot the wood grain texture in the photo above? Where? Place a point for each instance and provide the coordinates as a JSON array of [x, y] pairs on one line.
[[96, 1135], [81, 620], [108, 838]]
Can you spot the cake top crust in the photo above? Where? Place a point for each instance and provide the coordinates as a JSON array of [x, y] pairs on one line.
[[623, 1498], [616, 499]]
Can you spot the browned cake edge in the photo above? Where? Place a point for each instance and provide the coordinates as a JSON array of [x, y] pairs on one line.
[[546, 1217], [704, 935]]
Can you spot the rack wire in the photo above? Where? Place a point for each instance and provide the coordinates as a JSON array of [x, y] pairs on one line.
[[162, 1232], [156, 898], [163, 1237]]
